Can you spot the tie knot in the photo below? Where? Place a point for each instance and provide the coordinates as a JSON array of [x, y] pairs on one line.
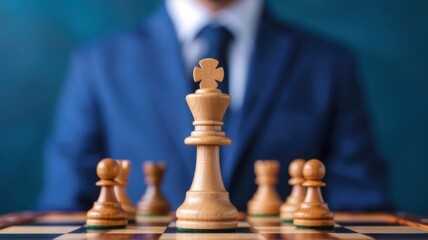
[[217, 37]]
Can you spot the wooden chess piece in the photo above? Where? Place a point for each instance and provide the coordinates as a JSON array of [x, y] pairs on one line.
[[153, 202], [207, 206], [120, 189], [314, 212], [297, 195], [266, 201], [107, 212]]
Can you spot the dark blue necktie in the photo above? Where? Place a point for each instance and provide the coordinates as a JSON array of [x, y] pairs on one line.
[[218, 40]]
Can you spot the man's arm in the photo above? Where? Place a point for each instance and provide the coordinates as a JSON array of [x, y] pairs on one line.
[[76, 143], [356, 175]]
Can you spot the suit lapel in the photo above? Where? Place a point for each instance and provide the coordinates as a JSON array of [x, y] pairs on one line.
[[171, 86], [269, 66]]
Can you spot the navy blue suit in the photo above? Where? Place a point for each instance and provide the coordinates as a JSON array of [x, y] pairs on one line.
[[125, 98]]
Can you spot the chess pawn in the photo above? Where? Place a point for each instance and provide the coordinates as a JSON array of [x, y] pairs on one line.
[[153, 202], [120, 189], [313, 212], [107, 212], [266, 201], [297, 195]]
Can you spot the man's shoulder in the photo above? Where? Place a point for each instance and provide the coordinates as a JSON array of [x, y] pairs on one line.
[[311, 42], [113, 43], [123, 40]]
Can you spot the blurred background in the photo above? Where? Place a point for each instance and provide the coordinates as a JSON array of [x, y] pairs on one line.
[[389, 37]]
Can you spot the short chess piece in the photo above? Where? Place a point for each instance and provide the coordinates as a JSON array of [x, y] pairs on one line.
[[297, 195], [120, 189], [207, 206], [314, 212], [266, 201], [153, 202], [107, 212]]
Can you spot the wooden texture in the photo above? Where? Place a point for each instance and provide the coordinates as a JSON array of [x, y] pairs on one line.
[[208, 74], [107, 211], [266, 200], [361, 226], [153, 201], [313, 212], [297, 195], [207, 205], [120, 189]]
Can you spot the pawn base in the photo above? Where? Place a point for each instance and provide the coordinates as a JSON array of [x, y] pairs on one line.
[[264, 204], [104, 227], [287, 220], [153, 218], [106, 215], [314, 223], [156, 207], [261, 215], [316, 227], [187, 230], [106, 224], [287, 211], [263, 221], [152, 215]]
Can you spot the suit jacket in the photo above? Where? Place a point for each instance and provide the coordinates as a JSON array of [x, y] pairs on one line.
[[124, 98]]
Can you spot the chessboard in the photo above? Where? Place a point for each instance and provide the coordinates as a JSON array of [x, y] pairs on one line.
[[348, 226]]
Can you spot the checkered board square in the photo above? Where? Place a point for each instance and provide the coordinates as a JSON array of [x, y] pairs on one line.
[[356, 227]]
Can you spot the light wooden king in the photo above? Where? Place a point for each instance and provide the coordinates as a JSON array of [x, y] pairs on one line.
[[207, 205]]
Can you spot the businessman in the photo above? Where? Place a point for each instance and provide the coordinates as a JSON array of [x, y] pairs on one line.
[[294, 95]]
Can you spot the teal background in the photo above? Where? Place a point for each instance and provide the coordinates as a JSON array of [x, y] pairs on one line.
[[389, 38]]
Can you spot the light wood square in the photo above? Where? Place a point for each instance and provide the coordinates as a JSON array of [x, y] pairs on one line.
[[79, 236], [386, 229], [242, 224], [284, 229], [137, 230], [38, 229], [154, 219], [211, 236], [350, 236], [58, 218]]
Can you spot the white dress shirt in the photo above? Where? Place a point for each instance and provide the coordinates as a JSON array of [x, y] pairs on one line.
[[240, 18]]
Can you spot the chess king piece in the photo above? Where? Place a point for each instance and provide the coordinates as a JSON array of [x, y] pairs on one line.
[[207, 206], [313, 212], [107, 212], [120, 189], [266, 201], [297, 195], [153, 202]]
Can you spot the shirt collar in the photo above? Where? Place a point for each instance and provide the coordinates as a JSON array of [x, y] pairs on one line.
[[189, 17]]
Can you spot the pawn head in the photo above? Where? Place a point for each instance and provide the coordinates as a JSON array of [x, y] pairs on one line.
[[295, 169], [154, 172], [107, 169], [124, 167], [314, 170], [266, 167]]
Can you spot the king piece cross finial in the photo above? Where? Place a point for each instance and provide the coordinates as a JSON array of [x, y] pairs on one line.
[[208, 74]]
